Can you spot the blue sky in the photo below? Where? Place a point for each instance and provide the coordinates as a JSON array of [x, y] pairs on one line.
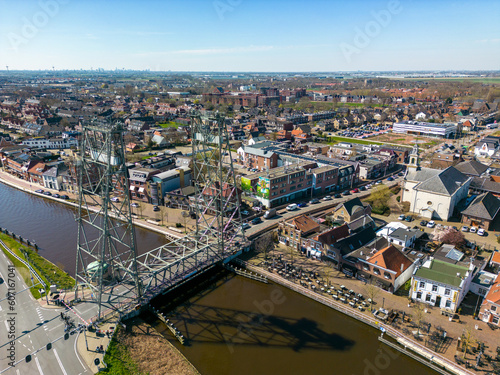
[[250, 35]]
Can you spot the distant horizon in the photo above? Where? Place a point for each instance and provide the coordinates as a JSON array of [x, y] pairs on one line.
[[263, 36]]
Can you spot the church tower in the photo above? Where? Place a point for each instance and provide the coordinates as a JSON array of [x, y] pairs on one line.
[[414, 158]]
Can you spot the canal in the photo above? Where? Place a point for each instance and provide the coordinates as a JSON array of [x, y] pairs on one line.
[[234, 325]]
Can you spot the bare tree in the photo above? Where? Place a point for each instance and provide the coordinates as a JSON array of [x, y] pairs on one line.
[[418, 315], [265, 243], [371, 291], [468, 340], [163, 213]]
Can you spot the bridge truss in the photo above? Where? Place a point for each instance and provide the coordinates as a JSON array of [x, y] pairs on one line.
[[126, 280]]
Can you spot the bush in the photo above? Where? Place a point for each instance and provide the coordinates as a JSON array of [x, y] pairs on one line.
[[398, 198], [178, 225]]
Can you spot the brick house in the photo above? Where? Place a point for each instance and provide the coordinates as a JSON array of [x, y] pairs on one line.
[[290, 232], [351, 210], [482, 211]]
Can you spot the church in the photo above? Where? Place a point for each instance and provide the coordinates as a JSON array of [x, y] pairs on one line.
[[433, 193]]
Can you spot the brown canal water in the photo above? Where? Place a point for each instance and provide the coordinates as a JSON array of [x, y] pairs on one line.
[[234, 325], [240, 326], [53, 227]]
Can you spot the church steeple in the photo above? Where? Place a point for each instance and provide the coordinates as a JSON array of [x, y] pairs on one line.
[[414, 158]]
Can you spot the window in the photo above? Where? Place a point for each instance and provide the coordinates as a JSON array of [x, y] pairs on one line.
[[434, 288], [448, 303], [495, 320], [366, 268], [387, 275], [493, 308], [419, 295], [447, 292], [376, 271], [428, 297], [422, 284]]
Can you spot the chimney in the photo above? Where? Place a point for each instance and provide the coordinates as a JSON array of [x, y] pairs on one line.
[[402, 267]]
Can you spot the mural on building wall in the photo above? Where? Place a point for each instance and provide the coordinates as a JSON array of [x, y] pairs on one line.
[[263, 187], [246, 184]]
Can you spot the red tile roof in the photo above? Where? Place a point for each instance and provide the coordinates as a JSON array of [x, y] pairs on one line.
[[494, 293], [390, 258]]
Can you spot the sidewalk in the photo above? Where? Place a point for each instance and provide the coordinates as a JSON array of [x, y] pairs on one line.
[[88, 342]]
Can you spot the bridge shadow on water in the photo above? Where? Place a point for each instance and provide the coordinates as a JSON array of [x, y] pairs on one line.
[[201, 323]]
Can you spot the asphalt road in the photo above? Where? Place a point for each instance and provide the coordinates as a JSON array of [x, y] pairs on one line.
[[34, 327]]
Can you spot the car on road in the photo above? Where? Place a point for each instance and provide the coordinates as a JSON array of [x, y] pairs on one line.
[[39, 191], [256, 220], [47, 193], [362, 188], [56, 196], [378, 182], [337, 195], [246, 213], [465, 228], [134, 204], [292, 207], [327, 198], [115, 199], [245, 226], [314, 201], [473, 229], [401, 174], [156, 208], [302, 204], [355, 190], [369, 186], [346, 192], [64, 196], [401, 217], [431, 224], [423, 223], [481, 232], [390, 179]]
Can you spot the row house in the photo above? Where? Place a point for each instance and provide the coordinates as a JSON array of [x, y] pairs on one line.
[[324, 179], [291, 232], [320, 243], [259, 158], [350, 210], [138, 183], [490, 308], [35, 173], [51, 143]]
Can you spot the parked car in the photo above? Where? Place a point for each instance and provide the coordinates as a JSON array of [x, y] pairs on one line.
[[314, 201], [256, 220], [431, 224], [302, 204], [473, 229], [346, 192], [115, 199], [56, 195], [423, 223], [39, 191], [134, 204], [246, 213], [245, 226], [362, 188], [292, 207], [327, 198], [48, 193], [270, 213], [64, 197], [337, 195], [481, 232], [409, 218], [401, 217], [156, 208], [390, 179], [355, 190], [401, 174], [465, 228]]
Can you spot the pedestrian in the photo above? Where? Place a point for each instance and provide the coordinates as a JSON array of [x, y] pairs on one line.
[[97, 349], [102, 349]]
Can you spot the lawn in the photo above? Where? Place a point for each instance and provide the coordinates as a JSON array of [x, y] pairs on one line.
[[118, 359], [170, 124], [334, 140], [50, 273]]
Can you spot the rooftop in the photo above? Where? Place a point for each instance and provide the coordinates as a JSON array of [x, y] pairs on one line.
[[442, 272]]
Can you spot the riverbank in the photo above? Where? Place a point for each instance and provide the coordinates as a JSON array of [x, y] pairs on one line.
[[27, 187], [404, 332]]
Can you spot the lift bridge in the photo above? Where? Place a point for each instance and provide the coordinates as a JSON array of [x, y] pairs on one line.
[[108, 269]]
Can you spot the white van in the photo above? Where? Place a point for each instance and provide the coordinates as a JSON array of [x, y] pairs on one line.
[[292, 207]]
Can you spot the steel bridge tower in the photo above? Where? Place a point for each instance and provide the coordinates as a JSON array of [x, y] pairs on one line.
[[106, 251]]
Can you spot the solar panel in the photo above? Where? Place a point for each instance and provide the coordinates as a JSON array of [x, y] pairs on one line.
[[454, 254]]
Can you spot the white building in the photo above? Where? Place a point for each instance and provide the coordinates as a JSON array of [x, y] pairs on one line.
[[441, 284], [487, 146], [445, 130], [51, 143], [433, 193]]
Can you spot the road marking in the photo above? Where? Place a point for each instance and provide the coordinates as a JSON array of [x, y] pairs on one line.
[[18, 278], [6, 325], [59, 325], [0, 308], [76, 353], [17, 372], [60, 363], [38, 365]]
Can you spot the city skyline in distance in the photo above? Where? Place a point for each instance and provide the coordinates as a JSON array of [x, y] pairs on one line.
[[250, 36]]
